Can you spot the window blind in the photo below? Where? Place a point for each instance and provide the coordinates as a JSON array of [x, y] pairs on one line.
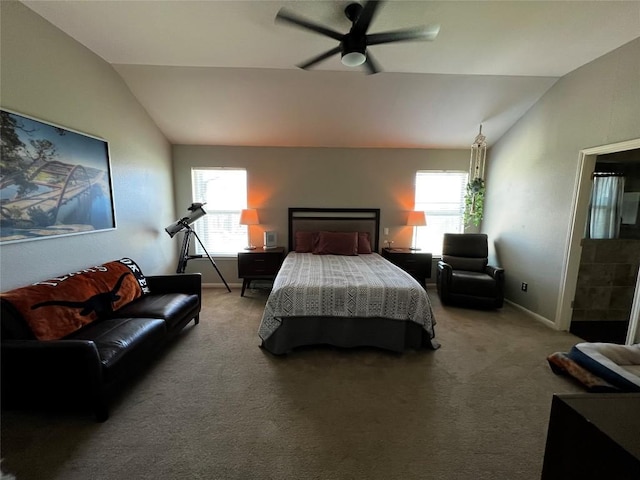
[[440, 194], [224, 190]]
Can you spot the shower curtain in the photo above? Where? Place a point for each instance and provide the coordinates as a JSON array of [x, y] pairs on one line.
[[605, 208]]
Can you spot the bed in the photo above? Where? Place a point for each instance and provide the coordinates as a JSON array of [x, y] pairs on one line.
[[344, 294]]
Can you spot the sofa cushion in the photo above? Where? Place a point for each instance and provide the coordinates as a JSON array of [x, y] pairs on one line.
[[57, 307], [171, 307], [123, 342]]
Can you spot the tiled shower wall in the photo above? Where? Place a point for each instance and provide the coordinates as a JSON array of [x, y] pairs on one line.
[[606, 280]]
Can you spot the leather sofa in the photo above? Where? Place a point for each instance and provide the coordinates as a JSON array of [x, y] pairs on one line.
[[87, 366], [463, 276]]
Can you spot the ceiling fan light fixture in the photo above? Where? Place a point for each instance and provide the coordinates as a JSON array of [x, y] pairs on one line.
[[354, 44], [353, 59]]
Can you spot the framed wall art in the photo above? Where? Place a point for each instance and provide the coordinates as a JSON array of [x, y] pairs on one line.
[[53, 181]]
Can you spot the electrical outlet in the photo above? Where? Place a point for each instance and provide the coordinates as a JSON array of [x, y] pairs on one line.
[[524, 287]]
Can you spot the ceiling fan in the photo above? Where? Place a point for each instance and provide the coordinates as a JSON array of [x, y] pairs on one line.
[[353, 45]]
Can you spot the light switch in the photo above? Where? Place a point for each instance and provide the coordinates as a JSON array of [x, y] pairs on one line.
[[386, 230]]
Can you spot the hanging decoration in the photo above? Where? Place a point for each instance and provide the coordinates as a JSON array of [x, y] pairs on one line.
[[474, 197]]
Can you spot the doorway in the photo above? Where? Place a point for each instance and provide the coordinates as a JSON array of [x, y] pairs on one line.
[[574, 248]]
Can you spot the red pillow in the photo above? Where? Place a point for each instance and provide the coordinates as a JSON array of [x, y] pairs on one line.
[[337, 243], [306, 241], [364, 243]]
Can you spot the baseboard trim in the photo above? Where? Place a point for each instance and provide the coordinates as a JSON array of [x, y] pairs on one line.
[[221, 285], [539, 318]]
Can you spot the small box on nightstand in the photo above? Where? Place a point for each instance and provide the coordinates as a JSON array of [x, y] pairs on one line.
[[270, 240]]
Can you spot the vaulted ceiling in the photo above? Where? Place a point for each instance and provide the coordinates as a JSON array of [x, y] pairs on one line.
[[223, 72]]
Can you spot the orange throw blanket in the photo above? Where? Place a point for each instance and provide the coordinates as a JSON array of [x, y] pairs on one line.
[[58, 307]]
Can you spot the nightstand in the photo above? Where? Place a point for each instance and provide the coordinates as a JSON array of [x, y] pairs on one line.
[[414, 262], [259, 264]]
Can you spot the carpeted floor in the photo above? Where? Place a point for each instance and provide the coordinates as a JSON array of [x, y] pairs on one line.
[[216, 406]]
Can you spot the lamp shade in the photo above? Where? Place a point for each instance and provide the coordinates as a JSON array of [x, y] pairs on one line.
[[416, 219], [249, 216]]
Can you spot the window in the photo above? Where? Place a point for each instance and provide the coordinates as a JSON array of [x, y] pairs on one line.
[[440, 195], [224, 190], [604, 217]]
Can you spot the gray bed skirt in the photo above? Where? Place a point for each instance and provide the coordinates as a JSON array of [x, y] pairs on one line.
[[394, 335]]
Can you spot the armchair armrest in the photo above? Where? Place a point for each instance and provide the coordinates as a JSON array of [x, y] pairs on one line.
[[444, 272], [495, 272], [444, 269], [442, 265], [189, 283]]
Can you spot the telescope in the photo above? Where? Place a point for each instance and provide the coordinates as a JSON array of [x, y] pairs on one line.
[[184, 224], [196, 212]]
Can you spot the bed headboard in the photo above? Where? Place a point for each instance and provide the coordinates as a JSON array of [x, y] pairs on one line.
[[335, 220]]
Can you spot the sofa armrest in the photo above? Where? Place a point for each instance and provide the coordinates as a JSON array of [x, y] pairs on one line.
[[26, 360], [33, 368], [37, 371], [189, 283]]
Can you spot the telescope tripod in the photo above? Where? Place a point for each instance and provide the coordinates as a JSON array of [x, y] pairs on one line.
[[185, 257]]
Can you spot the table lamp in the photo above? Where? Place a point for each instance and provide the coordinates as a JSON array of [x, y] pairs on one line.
[[416, 219], [249, 216]]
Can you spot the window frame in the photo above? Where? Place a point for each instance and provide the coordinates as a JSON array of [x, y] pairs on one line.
[[421, 233], [203, 228]]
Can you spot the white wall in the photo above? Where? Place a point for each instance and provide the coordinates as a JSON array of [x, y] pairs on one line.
[[533, 167], [280, 178], [48, 75]]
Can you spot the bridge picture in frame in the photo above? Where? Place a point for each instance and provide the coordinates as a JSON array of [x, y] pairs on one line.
[[53, 181]]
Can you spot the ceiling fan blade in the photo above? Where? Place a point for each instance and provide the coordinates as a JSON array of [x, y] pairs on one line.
[[319, 58], [361, 25], [419, 33], [289, 17], [372, 66]]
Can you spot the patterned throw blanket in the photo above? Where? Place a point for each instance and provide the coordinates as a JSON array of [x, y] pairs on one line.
[[59, 306], [344, 286]]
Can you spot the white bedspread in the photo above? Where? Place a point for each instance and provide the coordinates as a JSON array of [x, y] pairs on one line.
[[344, 286]]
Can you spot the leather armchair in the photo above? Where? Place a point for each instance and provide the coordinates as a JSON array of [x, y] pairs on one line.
[[464, 276]]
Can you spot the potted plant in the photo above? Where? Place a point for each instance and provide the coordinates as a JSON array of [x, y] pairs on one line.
[[474, 202]]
